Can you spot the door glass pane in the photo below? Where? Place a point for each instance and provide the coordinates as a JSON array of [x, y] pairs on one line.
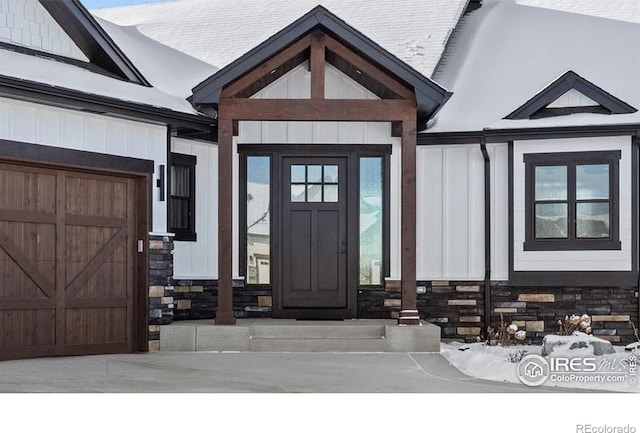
[[551, 182], [371, 246], [331, 193], [314, 193], [298, 173], [592, 220], [314, 173], [592, 181], [258, 220], [298, 193], [331, 174], [551, 220]]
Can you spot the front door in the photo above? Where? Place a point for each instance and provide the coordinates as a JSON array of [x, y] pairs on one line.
[[314, 233]]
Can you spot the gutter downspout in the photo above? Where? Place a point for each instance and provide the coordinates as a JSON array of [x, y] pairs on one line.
[[487, 233]]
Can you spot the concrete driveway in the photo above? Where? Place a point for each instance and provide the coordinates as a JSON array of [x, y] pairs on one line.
[[246, 372]]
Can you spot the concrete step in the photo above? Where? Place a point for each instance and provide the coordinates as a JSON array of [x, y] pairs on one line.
[[274, 335], [317, 345], [318, 331]]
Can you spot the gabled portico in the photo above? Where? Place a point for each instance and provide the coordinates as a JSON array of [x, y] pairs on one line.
[[401, 96]]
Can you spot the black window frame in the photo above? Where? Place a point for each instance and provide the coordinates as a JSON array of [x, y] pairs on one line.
[[571, 160], [190, 162]]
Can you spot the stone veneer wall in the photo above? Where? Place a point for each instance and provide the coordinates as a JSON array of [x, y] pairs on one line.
[[198, 299], [456, 306], [161, 302]]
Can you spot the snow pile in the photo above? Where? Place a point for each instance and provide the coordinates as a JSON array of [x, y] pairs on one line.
[[493, 363], [577, 344]]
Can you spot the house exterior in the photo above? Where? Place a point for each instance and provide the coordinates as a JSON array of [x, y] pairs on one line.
[[315, 162]]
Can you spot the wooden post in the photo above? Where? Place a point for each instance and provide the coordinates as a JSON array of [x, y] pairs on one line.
[[316, 60], [409, 312], [224, 313]]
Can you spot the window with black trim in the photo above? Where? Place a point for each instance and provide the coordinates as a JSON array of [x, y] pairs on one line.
[[571, 201], [182, 197]]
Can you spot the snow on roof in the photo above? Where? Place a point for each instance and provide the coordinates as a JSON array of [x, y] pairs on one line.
[[622, 10], [220, 31], [504, 53], [67, 76], [167, 69]]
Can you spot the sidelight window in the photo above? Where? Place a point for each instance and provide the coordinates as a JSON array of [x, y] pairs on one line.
[[371, 220], [258, 229]]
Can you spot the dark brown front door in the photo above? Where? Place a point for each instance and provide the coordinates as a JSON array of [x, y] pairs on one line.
[[314, 233], [67, 262]]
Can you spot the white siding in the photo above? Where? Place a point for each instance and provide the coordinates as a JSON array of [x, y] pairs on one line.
[[58, 127], [450, 213], [499, 156], [572, 98], [27, 23], [200, 259], [573, 260]]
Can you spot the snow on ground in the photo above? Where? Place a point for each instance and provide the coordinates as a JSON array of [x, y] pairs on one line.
[[492, 363]]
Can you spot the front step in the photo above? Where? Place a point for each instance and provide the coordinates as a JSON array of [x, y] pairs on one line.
[[273, 335]]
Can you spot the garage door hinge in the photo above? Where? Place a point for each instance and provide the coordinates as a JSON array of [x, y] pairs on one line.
[[140, 246]]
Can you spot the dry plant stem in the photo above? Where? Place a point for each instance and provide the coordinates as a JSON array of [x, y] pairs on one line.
[[635, 330]]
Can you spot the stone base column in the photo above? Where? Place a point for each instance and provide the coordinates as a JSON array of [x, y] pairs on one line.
[[160, 286]]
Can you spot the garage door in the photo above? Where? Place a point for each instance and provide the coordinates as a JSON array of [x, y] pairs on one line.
[[67, 262]]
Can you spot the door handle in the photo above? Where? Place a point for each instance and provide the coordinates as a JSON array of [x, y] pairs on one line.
[[343, 248]]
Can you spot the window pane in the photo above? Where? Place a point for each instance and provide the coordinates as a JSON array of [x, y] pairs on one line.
[[180, 181], [551, 182], [179, 214], [258, 220], [592, 220], [298, 193], [314, 193], [371, 248], [314, 173], [331, 193], [331, 173], [298, 173], [592, 181], [551, 221]]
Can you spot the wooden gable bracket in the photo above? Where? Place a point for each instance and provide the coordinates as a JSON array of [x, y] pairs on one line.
[[317, 43], [234, 89]]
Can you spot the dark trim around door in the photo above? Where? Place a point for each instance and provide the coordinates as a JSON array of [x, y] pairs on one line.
[[277, 152]]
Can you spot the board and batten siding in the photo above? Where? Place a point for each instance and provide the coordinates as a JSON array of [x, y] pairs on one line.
[[450, 212], [618, 260], [199, 259], [58, 127]]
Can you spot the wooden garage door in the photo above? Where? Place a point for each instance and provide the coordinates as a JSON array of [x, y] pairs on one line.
[[67, 262]]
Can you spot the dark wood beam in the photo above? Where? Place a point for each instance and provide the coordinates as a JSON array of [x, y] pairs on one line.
[[278, 60], [369, 69], [382, 110], [316, 61], [409, 312], [224, 313]]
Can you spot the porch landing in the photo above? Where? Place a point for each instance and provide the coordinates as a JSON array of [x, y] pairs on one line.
[[287, 335]]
